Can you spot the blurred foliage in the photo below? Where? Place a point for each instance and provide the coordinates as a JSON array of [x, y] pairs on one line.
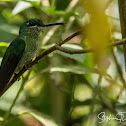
[[64, 89]]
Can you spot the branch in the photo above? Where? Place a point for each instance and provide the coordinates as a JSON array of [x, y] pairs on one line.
[[73, 51], [80, 51], [35, 61], [53, 48]]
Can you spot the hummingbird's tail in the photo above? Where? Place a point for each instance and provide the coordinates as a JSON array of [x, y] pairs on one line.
[[10, 61], [4, 79], [7, 71]]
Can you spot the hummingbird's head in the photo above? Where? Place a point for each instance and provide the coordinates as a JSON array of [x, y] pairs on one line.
[[34, 26]]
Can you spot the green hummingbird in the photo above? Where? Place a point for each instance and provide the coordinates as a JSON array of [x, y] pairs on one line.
[[22, 49]]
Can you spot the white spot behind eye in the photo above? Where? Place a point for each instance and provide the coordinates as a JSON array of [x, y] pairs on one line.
[[27, 23], [31, 24]]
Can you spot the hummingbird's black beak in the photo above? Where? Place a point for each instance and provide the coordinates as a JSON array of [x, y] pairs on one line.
[[52, 24]]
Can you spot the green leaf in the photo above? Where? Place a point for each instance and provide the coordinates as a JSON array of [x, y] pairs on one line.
[[47, 121], [77, 57], [9, 28], [21, 5], [52, 10], [74, 69]]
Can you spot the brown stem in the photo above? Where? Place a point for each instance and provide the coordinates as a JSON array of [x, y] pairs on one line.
[[122, 13]]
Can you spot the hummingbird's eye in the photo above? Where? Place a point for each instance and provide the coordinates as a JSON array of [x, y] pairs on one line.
[[30, 24]]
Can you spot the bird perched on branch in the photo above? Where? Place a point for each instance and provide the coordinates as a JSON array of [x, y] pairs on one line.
[[22, 49]]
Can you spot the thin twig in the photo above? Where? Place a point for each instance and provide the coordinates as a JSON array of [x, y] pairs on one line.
[[73, 51], [70, 37], [122, 14], [80, 51]]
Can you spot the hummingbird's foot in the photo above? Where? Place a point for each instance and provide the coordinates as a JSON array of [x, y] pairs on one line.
[[18, 78], [15, 74], [28, 64]]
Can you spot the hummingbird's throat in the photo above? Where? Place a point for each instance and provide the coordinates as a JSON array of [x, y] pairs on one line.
[[31, 31], [31, 41], [35, 30]]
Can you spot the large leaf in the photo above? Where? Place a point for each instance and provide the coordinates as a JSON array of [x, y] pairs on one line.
[[68, 69], [77, 57], [21, 5], [9, 28], [47, 121], [74, 69]]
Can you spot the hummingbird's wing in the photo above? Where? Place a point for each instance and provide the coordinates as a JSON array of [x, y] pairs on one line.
[[10, 60]]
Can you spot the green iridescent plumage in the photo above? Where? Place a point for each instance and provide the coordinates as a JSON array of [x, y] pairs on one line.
[[16, 48], [10, 60], [21, 50]]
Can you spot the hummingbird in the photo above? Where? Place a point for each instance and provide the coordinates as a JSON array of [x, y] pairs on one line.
[[22, 49]]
